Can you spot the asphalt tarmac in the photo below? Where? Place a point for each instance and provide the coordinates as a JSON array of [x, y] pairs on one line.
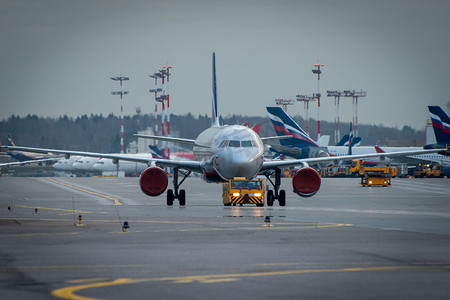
[[347, 242]]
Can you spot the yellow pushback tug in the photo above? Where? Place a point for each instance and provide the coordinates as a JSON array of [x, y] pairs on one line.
[[242, 191]]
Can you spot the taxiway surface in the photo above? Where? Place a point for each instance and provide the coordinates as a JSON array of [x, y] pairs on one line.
[[346, 242]]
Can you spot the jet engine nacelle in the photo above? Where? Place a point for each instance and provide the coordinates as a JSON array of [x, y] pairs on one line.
[[153, 181], [306, 182]]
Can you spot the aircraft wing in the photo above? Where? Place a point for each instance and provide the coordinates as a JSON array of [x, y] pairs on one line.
[[19, 163], [268, 165], [194, 166], [170, 139]]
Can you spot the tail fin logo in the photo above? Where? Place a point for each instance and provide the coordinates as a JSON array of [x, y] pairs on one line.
[[10, 141], [285, 125], [441, 124]]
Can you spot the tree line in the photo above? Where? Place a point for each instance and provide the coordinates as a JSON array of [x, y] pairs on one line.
[[98, 133]]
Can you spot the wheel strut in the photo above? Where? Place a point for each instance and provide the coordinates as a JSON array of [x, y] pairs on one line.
[[278, 194], [177, 193]]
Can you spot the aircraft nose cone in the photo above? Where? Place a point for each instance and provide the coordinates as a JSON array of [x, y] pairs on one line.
[[238, 166]]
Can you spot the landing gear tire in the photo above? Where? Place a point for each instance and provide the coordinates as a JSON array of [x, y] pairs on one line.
[[170, 197], [282, 198], [269, 198], [182, 197]]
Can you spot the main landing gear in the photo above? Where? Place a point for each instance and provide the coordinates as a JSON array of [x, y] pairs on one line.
[[175, 193], [275, 194]]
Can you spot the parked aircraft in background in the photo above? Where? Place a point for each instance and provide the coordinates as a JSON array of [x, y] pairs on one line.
[[223, 153], [23, 156], [301, 143], [66, 164]]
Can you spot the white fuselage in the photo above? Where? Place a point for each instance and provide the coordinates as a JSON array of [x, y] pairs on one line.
[[66, 164], [85, 164], [107, 165], [231, 151]]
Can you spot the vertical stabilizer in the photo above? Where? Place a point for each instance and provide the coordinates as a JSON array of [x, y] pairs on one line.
[[215, 117], [10, 141], [350, 139], [441, 124], [285, 125]]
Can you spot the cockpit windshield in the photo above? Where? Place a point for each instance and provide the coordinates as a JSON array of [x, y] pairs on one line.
[[237, 144]]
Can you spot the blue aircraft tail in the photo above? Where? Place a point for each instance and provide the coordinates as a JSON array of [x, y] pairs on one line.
[[215, 115], [285, 125], [441, 125], [155, 151], [350, 139], [10, 141], [344, 141]]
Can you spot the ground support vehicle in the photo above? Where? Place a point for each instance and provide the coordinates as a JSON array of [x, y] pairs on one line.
[[380, 175], [242, 191], [375, 178], [435, 171], [429, 171], [335, 171]]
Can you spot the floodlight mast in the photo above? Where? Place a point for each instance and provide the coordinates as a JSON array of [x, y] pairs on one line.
[[318, 72], [349, 94], [355, 96], [120, 79], [121, 93], [306, 99], [284, 103], [162, 73], [337, 97]]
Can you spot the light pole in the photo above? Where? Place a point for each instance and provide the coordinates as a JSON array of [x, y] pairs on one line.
[[318, 72]]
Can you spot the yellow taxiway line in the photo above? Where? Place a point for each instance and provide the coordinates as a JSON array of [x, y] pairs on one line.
[[116, 202], [69, 292]]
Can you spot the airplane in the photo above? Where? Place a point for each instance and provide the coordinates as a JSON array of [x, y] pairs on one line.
[[66, 164], [299, 145], [302, 145], [110, 165], [85, 164], [22, 156], [222, 153], [441, 128]]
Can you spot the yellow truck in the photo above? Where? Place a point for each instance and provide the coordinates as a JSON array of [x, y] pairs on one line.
[[429, 171], [242, 191], [358, 166], [380, 175]]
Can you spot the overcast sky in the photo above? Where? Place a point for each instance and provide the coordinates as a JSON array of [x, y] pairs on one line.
[[57, 56]]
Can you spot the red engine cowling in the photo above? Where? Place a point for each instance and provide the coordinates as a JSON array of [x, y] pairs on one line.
[[153, 181], [306, 182]]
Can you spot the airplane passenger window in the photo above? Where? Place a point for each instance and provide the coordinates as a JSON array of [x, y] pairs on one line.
[[234, 144]]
